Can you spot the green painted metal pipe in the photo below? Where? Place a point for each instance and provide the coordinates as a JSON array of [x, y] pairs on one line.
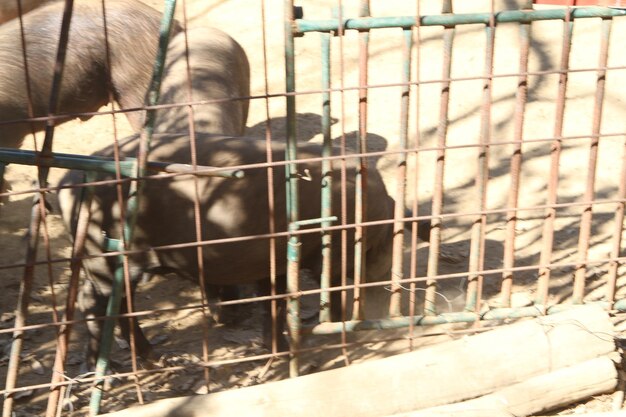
[[620, 305], [128, 166], [445, 318], [293, 215], [68, 161], [326, 182], [477, 243], [450, 20], [360, 179]]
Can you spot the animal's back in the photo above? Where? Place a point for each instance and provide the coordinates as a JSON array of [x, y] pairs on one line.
[[220, 74]]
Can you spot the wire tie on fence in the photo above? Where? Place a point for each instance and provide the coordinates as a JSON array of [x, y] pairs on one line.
[[111, 245], [388, 288], [68, 392], [307, 175]]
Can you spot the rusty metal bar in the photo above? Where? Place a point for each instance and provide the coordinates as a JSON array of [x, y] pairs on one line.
[[415, 205], [543, 283], [343, 181], [206, 313], [616, 244], [360, 198], [319, 230], [619, 305], [237, 171], [270, 188], [477, 240], [21, 311], [63, 332], [38, 210], [586, 217], [442, 133], [496, 314], [397, 272], [516, 163]]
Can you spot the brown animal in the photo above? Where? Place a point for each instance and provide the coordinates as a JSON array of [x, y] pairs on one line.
[[229, 208], [219, 71], [133, 30]]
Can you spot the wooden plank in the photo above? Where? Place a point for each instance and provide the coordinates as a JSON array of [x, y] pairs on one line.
[[545, 392], [441, 374]]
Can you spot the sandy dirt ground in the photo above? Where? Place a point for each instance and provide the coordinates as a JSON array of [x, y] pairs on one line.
[[178, 335]]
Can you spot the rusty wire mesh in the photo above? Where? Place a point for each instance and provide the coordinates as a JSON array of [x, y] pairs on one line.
[[508, 137]]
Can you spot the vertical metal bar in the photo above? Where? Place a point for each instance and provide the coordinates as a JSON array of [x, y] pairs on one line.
[[122, 272], [586, 217], [477, 240], [442, 132], [56, 86], [343, 176], [415, 206], [63, 333], [616, 244], [360, 201], [21, 311], [543, 283], [270, 186], [120, 192], [106, 341], [516, 164], [196, 206], [327, 182], [39, 210], [397, 272], [293, 245]]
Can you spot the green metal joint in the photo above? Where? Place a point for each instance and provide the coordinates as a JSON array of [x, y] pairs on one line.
[[620, 305], [293, 249], [112, 245]]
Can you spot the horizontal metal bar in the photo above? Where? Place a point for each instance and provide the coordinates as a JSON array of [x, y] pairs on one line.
[[58, 160], [451, 20], [444, 318], [347, 227], [104, 164]]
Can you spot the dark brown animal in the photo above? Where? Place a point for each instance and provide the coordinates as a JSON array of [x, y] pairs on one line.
[[132, 33], [229, 208], [219, 72]]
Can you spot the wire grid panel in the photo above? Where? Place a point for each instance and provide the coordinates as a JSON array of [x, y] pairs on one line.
[[500, 116]]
